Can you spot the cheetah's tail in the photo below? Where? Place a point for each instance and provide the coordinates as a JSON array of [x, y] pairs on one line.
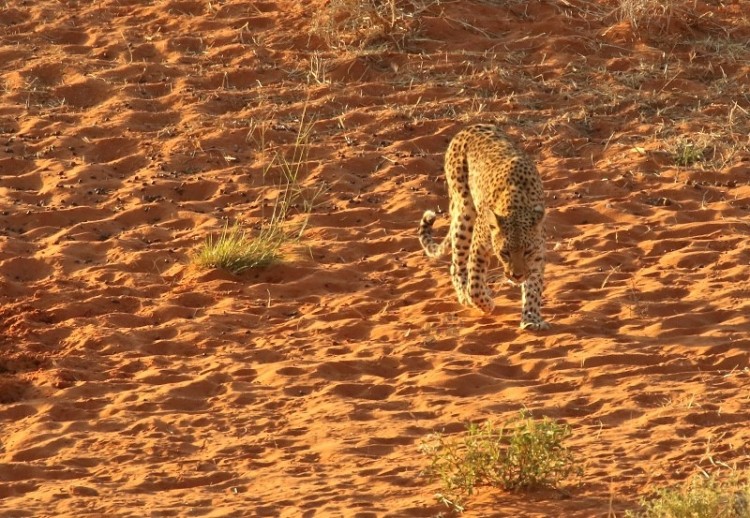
[[431, 248]]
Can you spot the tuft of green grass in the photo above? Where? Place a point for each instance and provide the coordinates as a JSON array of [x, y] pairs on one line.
[[703, 496], [522, 454], [687, 153], [234, 251]]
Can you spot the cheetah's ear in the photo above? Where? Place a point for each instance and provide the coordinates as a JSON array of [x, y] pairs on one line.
[[538, 212]]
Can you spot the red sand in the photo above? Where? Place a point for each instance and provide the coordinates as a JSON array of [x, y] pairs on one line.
[[132, 384]]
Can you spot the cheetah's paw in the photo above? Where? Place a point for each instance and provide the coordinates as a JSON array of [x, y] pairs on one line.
[[535, 325], [482, 303]]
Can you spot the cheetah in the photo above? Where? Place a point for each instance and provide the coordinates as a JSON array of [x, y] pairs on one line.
[[496, 205]]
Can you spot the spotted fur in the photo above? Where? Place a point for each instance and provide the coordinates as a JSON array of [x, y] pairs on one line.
[[496, 208]]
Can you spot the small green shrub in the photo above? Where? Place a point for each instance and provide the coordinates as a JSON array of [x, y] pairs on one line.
[[703, 496], [522, 454], [687, 153]]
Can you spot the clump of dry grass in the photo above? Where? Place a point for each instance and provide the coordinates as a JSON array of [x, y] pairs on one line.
[[639, 11], [361, 24], [656, 15]]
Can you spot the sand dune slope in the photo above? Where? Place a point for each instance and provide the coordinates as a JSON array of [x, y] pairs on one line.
[[134, 384]]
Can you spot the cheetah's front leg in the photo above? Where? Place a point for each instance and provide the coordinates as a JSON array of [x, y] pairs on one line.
[[479, 294], [460, 235], [531, 297]]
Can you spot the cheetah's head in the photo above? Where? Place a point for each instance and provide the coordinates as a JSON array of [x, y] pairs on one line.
[[516, 241]]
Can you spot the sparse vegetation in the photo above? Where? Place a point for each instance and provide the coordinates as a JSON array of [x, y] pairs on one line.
[[291, 163], [702, 496], [522, 454]]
